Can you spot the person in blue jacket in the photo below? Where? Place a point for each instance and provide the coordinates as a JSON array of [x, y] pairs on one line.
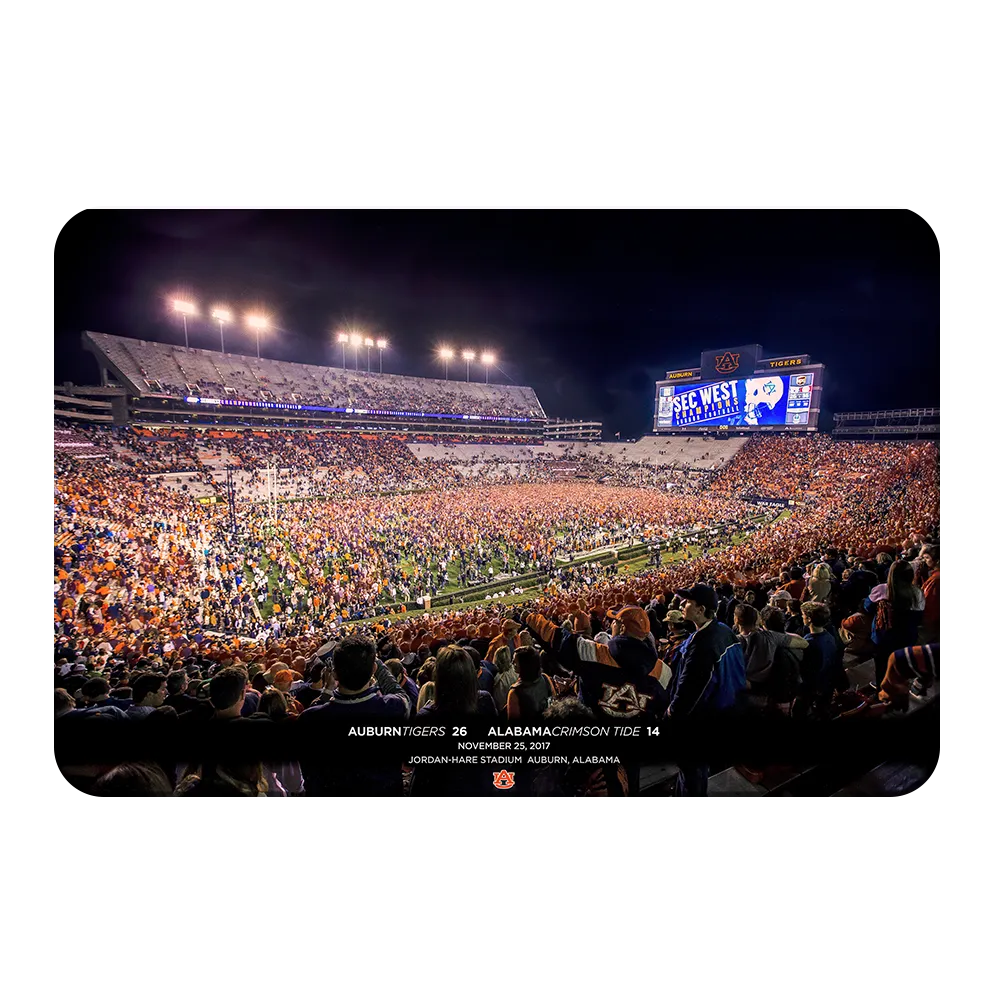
[[710, 678]]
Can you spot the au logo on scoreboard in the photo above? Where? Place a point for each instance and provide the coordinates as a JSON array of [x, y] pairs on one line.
[[728, 362], [738, 361]]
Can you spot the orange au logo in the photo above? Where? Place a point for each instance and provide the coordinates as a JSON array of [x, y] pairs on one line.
[[726, 363], [503, 779]]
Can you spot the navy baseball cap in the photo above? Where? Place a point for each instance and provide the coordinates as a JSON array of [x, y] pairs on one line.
[[701, 594]]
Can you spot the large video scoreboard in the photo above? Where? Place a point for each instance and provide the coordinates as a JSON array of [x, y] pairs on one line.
[[736, 387]]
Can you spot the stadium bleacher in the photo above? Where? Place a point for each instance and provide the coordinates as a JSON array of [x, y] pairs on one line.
[[694, 452], [152, 369]]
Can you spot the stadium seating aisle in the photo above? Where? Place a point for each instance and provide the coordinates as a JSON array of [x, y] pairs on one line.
[[892, 778]]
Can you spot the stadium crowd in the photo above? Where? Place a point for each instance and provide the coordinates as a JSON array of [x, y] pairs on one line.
[[162, 610]]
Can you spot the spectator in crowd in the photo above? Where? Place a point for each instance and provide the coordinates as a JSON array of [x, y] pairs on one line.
[[727, 604], [710, 675], [177, 696], [822, 662], [883, 563], [896, 610], [503, 679], [531, 693], [678, 630], [365, 689], [283, 681], [426, 695], [65, 703], [910, 671], [796, 585], [227, 779], [97, 700], [275, 707], [140, 779], [781, 601], [820, 585], [403, 679], [792, 622], [318, 679], [771, 670], [507, 637], [228, 691], [456, 690], [930, 557], [605, 780]]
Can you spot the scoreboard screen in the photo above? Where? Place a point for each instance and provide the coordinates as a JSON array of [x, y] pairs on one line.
[[760, 401]]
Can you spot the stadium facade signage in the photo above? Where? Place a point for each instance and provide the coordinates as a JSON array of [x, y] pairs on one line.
[[259, 404], [730, 361], [796, 361], [766, 501]]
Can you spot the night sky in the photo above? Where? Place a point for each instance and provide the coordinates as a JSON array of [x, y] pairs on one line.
[[588, 307]]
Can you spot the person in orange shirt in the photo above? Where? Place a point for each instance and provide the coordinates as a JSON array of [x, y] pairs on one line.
[[507, 637], [930, 556]]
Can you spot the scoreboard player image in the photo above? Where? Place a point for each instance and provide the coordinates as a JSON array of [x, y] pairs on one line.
[[762, 397], [764, 400]]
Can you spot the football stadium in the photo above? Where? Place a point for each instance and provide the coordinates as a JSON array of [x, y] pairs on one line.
[[281, 578]]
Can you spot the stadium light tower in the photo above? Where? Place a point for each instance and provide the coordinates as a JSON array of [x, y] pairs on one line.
[[258, 323], [369, 343], [356, 343], [488, 359], [469, 356], [222, 315], [185, 309], [342, 339], [446, 354], [382, 344]]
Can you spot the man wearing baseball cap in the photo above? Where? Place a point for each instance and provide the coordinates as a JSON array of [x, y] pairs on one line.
[[782, 600], [678, 629], [710, 676]]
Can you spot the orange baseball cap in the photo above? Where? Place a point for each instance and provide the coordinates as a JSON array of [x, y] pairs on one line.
[[633, 619]]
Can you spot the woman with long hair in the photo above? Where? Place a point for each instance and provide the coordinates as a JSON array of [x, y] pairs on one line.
[[820, 583], [274, 705], [897, 608], [504, 678], [456, 687], [531, 694], [425, 695]]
